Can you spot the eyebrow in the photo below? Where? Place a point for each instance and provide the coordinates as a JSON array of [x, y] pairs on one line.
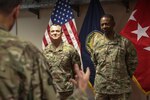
[[55, 30]]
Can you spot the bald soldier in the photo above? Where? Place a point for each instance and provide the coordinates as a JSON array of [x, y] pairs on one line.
[[115, 60]]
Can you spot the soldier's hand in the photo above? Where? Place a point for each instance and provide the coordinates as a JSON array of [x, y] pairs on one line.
[[81, 79]]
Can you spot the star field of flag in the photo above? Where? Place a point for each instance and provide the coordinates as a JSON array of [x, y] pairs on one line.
[[62, 13]]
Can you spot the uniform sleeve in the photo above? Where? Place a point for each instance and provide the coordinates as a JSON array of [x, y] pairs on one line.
[[75, 57], [131, 58], [45, 51], [78, 95], [91, 44], [12, 77], [39, 79], [93, 58], [92, 40]]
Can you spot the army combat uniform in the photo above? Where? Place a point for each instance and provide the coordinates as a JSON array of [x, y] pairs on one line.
[[115, 61], [23, 72], [62, 60]]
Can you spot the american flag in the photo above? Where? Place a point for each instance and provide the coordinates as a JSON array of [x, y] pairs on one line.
[[62, 14]]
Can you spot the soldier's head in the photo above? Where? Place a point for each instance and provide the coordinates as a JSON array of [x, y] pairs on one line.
[[9, 10], [55, 32], [107, 23]]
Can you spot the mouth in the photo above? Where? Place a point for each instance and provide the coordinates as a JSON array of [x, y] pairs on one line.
[[104, 31], [54, 35]]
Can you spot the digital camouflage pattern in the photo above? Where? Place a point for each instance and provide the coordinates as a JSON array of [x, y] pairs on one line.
[[115, 61], [23, 72], [62, 60], [123, 96]]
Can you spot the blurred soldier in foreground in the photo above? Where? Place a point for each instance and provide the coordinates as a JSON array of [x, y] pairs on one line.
[[115, 60], [61, 57], [23, 68]]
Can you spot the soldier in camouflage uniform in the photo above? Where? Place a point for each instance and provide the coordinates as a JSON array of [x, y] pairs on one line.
[[23, 68], [61, 56], [115, 60]]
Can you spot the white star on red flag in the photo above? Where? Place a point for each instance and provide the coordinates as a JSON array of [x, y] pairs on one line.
[[147, 48], [141, 32], [132, 16]]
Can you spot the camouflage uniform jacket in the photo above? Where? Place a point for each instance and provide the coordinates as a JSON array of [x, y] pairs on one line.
[[115, 62], [23, 72], [62, 60]]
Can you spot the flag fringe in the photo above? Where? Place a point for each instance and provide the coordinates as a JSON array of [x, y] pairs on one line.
[[139, 86], [91, 87]]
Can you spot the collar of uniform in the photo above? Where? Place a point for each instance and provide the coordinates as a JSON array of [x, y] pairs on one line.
[[4, 32], [3, 27], [113, 41], [52, 48], [114, 36]]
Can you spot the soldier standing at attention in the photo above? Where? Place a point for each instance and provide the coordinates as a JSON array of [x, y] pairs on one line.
[[61, 57], [115, 60], [23, 68]]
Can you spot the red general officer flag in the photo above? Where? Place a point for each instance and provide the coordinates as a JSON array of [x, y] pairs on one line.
[[137, 30]]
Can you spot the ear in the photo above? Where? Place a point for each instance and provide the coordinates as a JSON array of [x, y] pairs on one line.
[[113, 24], [61, 33], [16, 11]]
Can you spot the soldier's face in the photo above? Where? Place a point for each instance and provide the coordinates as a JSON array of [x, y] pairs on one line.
[[55, 32], [106, 25]]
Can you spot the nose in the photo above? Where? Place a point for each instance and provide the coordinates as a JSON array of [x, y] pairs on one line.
[[104, 26], [53, 32]]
